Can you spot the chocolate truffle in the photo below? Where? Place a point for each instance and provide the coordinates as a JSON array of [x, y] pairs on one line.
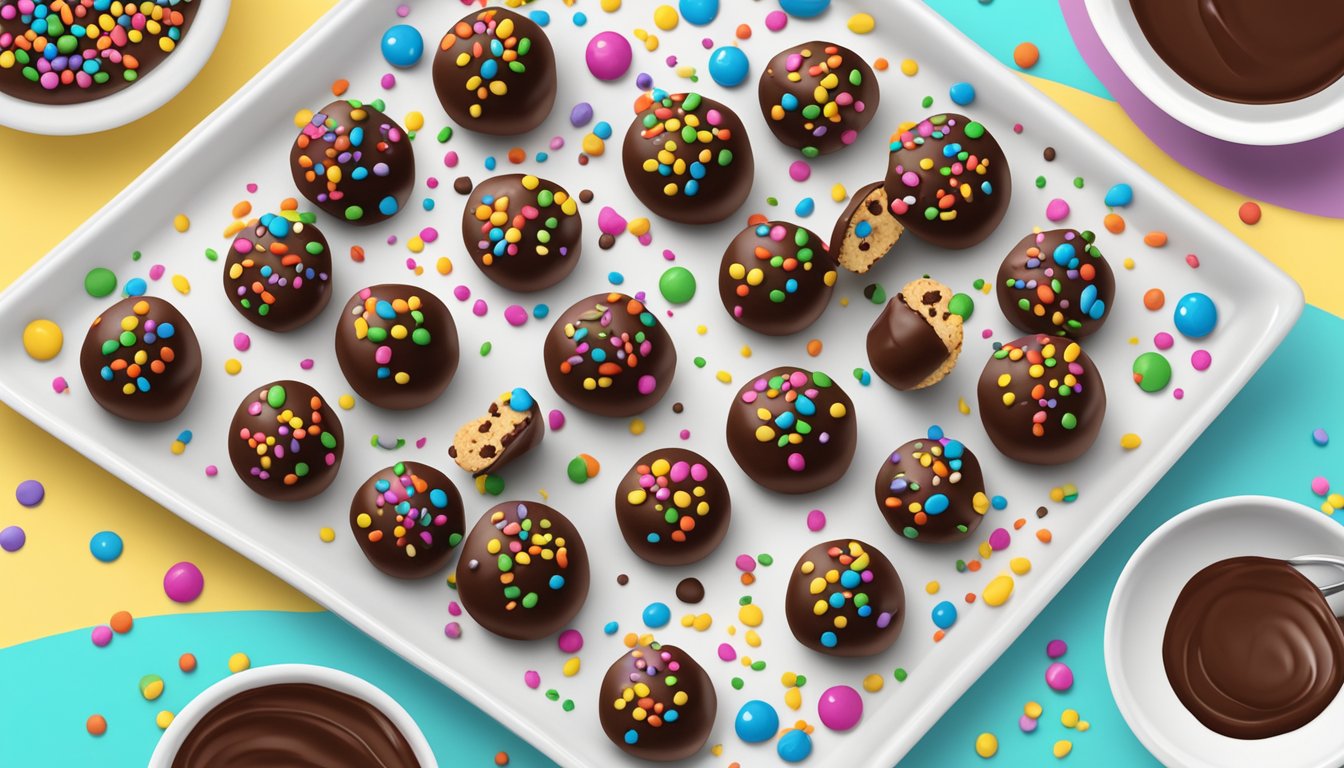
[[1058, 283], [512, 426], [688, 157], [609, 355], [285, 441], [278, 270], [916, 340], [948, 181], [1041, 400], [931, 489], [397, 345], [673, 507], [494, 73], [776, 278], [866, 231], [523, 572], [817, 97], [408, 520], [354, 162], [792, 430], [656, 703], [140, 359], [524, 232], [845, 599]]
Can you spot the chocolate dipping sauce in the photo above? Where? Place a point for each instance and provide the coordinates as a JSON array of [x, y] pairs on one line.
[[295, 725], [1252, 649], [1248, 51]]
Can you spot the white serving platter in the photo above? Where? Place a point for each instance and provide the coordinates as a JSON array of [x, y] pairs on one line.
[[247, 141]]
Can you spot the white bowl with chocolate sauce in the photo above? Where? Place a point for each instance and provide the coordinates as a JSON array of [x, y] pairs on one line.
[[327, 715], [1245, 71], [1152, 605]]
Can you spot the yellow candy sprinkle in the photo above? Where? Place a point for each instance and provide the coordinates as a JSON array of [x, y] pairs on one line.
[[873, 683], [571, 667], [611, 6], [716, 750], [1335, 500], [839, 194], [43, 339], [1129, 441], [651, 43], [414, 121], [793, 698], [444, 265], [1128, 263], [636, 426], [164, 718], [239, 662], [862, 23], [746, 350], [1062, 748], [638, 227], [181, 284], [326, 534], [724, 376], [303, 117], [986, 745], [415, 244], [753, 639], [181, 223], [751, 615], [963, 407], [932, 587], [1032, 710], [701, 330], [178, 448], [703, 622], [594, 145], [1020, 565], [346, 402], [999, 589], [909, 67], [665, 16], [1083, 725], [1069, 718], [788, 679]]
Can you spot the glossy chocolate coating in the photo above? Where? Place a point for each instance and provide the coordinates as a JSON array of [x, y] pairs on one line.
[[73, 85], [656, 703], [673, 507], [904, 349], [354, 162], [789, 91], [931, 489], [285, 441], [277, 272], [523, 572], [397, 345], [1252, 648], [524, 232], [609, 355], [1041, 400], [1248, 51], [776, 278], [792, 430], [494, 73], [932, 202], [845, 599], [688, 157], [1056, 282], [408, 520], [294, 724], [141, 360]]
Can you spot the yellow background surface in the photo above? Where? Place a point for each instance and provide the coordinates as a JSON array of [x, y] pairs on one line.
[[54, 585]]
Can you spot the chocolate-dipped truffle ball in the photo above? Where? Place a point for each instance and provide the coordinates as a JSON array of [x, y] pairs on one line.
[[609, 355], [948, 181], [408, 520], [510, 428], [817, 97], [845, 599], [1041, 400], [776, 278], [140, 359], [354, 162], [397, 345], [792, 430], [278, 270], [932, 490], [524, 232], [656, 703], [866, 231], [285, 441], [916, 340], [1058, 283], [673, 507], [494, 73], [688, 157], [523, 572]]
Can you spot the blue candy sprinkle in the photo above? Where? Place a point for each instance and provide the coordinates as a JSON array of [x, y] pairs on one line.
[[1196, 315], [961, 94], [729, 66], [105, 546], [521, 400], [756, 722], [944, 615], [657, 615], [794, 746], [699, 12], [805, 207], [615, 278], [1119, 196], [403, 46], [804, 9]]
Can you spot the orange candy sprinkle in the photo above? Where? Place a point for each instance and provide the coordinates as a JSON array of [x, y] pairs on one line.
[[1115, 223], [1044, 535], [743, 32], [1155, 239], [187, 662], [881, 64], [121, 622], [96, 725], [1154, 299], [1025, 55], [339, 87]]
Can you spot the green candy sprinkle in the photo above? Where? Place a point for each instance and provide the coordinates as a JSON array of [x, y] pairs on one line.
[[677, 285], [961, 305], [100, 282]]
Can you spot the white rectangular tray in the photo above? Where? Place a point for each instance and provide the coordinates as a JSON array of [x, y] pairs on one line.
[[247, 140]]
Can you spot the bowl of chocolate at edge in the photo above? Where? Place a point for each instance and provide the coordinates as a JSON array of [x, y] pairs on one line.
[[1269, 638], [261, 697], [1255, 73]]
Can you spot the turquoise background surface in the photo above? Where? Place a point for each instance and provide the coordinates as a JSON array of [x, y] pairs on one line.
[[1261, 444]]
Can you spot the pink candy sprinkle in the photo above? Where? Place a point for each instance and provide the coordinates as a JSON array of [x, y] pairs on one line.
[[515, 315], [684, 434], [211, 470], [1163, 340], [532, 679], [1059, 677], [156, 272], [101, 636], [450, 159], [388, 82], [453, 608], [1320, 486], [726, 652], [570, 641], [816, 520], [1192, 260], [556, 419], [776, 20], [1201, 360], [252, 188], [1057, 210], [609, 222], [306, 363], [1000, 539], [480, 308], [242, 342], [452, 630], [800, 171], [60, 385], [1056, 648], [745, 563], [462, 293], [1027, 724]]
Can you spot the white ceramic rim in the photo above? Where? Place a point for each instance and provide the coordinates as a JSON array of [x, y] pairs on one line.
[[1135, 713], [1255, 124], [275, 674], [147, 94]]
